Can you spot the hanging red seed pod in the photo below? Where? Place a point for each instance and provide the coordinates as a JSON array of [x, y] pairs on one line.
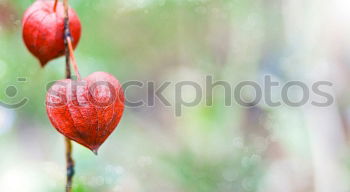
[[86, 111], [43, 30]]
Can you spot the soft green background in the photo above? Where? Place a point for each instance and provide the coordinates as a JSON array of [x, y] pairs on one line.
[[208, 148]]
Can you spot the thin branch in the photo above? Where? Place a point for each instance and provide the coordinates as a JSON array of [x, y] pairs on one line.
[[66, 34], [74, 63], [68, 142], [68, 42], [70, 165], [55, 5]]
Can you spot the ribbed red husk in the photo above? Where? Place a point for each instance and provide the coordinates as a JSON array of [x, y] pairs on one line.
[[43, 30], [86, 111]]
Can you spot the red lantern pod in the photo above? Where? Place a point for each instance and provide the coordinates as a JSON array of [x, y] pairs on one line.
[[86, 111], [43, 30]]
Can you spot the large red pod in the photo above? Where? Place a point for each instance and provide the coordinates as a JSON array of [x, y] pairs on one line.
[[86, 111], [43, 30]]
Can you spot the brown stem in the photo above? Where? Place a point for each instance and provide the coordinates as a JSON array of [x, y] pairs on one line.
[[68, 42], [74, 63], [55, 5], [70, 165], [69, 159], [66, 36]]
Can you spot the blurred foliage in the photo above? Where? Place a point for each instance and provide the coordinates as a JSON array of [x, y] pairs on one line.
[[152, 150]]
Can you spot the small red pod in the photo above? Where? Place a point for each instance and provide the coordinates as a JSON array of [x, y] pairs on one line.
[[86, 111], [43, 30]]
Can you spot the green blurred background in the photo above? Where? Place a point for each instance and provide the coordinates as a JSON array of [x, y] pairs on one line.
[[208, 148]]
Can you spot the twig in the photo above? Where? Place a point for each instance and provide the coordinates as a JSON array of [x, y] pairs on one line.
[[68, 42], [70, 165], [55, 5], [69, 159], [74, 63]]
